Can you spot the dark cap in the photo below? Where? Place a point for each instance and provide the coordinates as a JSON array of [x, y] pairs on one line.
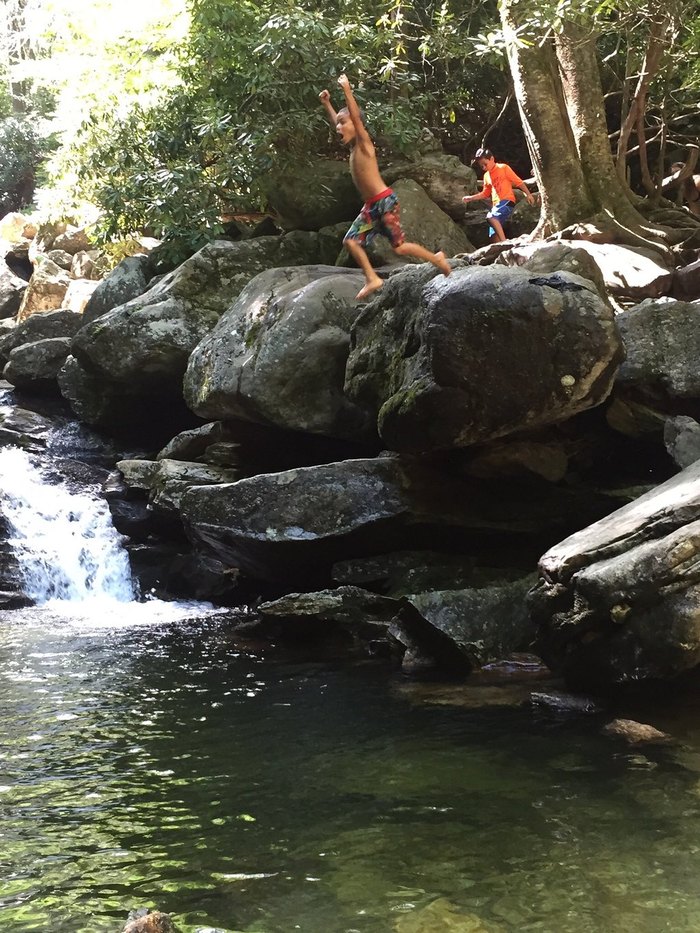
[[482, 154]]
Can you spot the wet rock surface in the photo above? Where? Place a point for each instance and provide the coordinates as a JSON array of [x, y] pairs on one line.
[[636, 733]]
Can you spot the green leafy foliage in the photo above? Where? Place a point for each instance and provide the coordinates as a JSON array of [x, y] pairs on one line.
[[20, 154], [247, 100], [170, 113]]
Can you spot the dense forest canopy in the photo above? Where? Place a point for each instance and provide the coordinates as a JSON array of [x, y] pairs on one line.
[[166, 115]]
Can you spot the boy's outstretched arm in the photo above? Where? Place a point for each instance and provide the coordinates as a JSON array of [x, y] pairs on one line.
[[484, 193], [325, 99], [354, 110]]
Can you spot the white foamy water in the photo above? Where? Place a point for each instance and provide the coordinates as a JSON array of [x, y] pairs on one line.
[[65, 543], [105, 617]]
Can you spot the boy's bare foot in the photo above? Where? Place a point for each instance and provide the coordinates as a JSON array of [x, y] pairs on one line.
[[442, 264], [372, 285]]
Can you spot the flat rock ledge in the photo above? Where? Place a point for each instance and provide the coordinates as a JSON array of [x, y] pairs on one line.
[[619, 601]]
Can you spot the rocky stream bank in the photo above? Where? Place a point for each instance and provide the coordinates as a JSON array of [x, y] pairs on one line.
[[387, 476]]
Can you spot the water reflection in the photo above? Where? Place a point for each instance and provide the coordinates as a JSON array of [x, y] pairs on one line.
[[157, 762]]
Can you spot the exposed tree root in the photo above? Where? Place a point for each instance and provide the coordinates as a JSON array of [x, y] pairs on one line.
[[604, 228]]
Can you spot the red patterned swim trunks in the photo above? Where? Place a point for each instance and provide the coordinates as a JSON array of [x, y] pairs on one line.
[[380, 216]]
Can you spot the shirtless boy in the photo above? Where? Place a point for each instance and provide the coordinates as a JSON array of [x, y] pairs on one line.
[[380, 214]]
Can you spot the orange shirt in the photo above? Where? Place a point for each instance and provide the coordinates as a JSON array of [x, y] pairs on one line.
[[499, 183]]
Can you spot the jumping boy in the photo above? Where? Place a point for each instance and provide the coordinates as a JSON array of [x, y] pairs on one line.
[[380, 214], [499, 179]]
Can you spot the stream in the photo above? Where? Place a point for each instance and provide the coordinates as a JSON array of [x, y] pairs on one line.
[[151, 758]]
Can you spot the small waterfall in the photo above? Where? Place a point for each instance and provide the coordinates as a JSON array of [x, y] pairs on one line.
[[64, 542]]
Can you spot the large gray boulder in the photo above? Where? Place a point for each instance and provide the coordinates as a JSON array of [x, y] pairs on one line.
[[444, 178], [314, 195], [12, 288], [619, 601], [93, 400], [292, 526], [630, 271], [126, 281], [166, 481], [278, 356], [423, 222], [46, 289], [449, 362], [21, 428], [145, 344], [465, 629], [543, 258], [682, 440], [686, 282], [662, 339], [35, 366], [349, 610], [39, 327]]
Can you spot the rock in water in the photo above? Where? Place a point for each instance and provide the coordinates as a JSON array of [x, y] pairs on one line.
[[619, 601], [636, 733]]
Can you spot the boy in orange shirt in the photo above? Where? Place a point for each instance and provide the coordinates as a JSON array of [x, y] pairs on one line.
[[499, 179]]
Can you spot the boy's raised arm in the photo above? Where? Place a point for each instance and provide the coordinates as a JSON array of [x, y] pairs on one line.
[[325, 99], [353, 109]]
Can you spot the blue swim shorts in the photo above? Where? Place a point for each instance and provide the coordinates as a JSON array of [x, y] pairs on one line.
[[501, 212]]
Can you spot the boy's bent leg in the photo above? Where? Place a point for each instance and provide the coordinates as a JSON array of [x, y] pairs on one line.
[[420, 252], [374, 283], [498, 215], [497, 229]]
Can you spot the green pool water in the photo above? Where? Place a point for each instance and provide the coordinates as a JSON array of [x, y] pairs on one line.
[[164, 765]]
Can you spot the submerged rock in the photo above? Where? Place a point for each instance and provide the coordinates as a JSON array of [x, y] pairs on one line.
[[150, 922], [564, 702], [450, 362], [636, 733], [442, 916]]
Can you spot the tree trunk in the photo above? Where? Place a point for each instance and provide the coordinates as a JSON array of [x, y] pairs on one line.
[[585, 107], [565, 194], [563, 114]]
